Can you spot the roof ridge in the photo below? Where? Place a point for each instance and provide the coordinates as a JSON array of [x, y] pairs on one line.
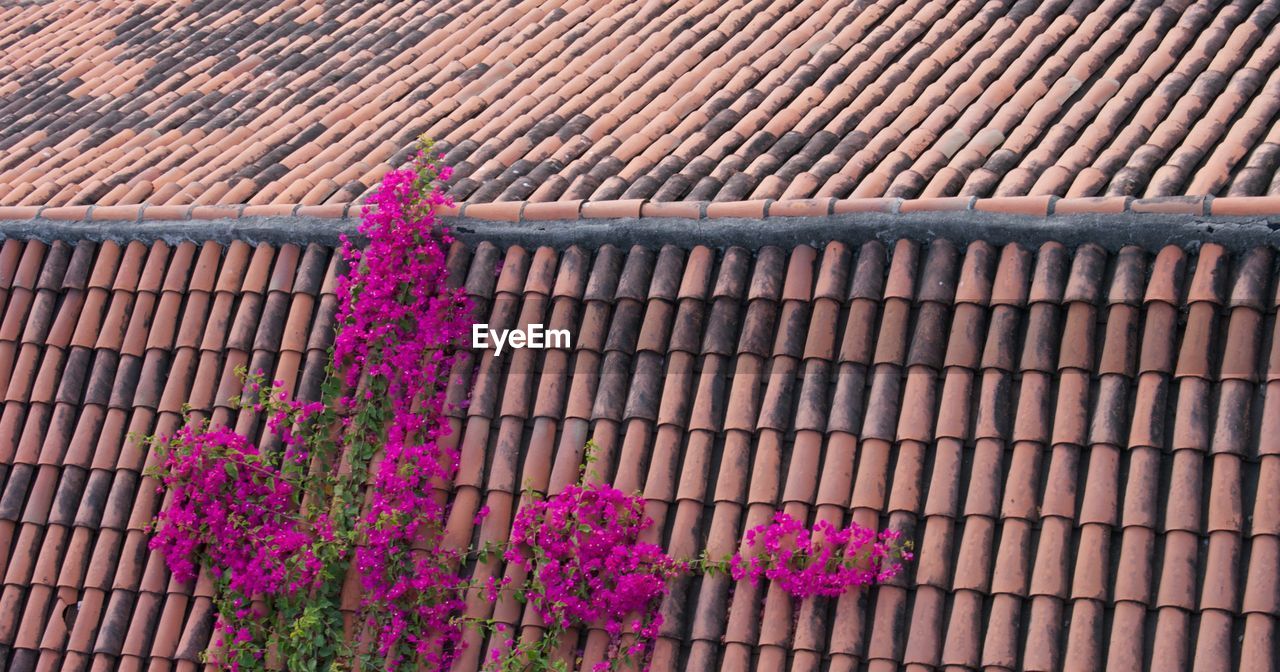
[[528, 211]]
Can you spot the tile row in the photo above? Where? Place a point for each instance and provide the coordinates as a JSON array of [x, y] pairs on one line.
[[1082, 443], [304, 102], [1119, 207]]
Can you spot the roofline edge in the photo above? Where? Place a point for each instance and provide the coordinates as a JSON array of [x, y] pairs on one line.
[[1110, 230]]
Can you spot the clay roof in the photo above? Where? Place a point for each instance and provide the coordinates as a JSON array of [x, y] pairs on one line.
[[304, 102], [1083, 442]]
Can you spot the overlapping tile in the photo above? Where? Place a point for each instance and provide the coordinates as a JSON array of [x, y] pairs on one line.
[[1080, 442], [260, 103]]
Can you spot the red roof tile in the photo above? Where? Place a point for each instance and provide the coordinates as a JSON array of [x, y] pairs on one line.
[[311, 104], [1022, 415], [1081, 442]]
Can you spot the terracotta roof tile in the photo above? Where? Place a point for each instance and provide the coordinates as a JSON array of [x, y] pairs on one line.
[[1004, 108], [1081, 442]]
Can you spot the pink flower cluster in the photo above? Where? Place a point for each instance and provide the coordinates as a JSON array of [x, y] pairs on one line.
[[237, 510], [587, 565], [822, 560], [400, 324], [238, 507], [269, 527]]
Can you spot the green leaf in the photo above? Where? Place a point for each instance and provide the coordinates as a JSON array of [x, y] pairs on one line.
[[232, 471]]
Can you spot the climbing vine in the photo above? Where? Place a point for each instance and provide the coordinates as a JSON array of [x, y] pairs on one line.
[[278, 528], [243, 514], [360, 479], [586, 566], [401, 326]]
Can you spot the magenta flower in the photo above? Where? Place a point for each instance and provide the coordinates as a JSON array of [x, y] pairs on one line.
[[822, 560], [588, 567], [401, 325], [243, 512], [236, 509]]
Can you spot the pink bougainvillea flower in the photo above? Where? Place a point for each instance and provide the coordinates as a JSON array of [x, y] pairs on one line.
[[823, 560], [400, 326], [587, 565]]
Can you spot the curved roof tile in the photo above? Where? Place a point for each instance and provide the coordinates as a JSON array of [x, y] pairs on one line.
[[304, 102]]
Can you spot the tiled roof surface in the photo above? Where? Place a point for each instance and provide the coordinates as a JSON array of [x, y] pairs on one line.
[[1085, 445], [307, 102]]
